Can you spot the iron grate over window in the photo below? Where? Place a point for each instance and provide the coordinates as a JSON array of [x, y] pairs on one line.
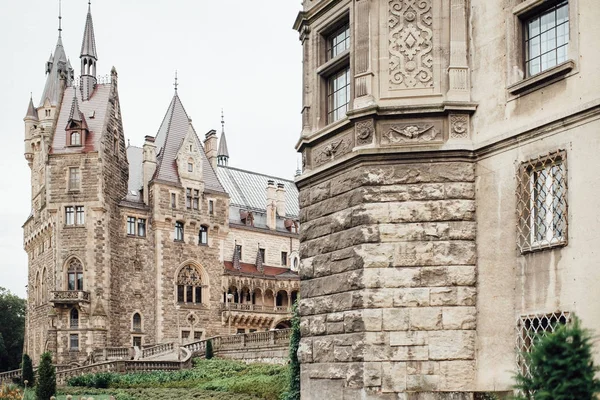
[[531, 327], [542, 202]]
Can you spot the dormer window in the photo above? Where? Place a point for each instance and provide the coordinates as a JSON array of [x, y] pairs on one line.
[[75, 138], [190, 167]]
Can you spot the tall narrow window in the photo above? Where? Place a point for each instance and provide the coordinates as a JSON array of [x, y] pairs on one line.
[[284, 258], [190, 167], [79, 215], [179, 231], [69, 215], [238, 247], [74, 319], [338, 95], [203, 235], [131, 225], [188, 198], [263, 254], [173, 200], [74, 178], [74, 342], [547, 38], [75, 275], [141, 225], [195, 199], [211, 206], [75, 138], [137, 322]]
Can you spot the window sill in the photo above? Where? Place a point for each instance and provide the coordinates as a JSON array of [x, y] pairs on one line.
[[542, 77], [74, 226], [541, 247], [331, 66]]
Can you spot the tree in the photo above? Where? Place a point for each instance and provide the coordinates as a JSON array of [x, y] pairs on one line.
[[561, 366], [46, 386], [27, 372], [209, 350], [294, 373], [12, 329]]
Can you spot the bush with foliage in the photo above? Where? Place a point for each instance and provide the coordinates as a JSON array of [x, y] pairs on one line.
[[293, 392], [10, 392], [209, 350], [561, 366], [12, 330], [46, 386], [27, 371]]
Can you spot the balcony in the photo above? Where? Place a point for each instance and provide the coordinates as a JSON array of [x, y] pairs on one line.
[[69, 297], [256, 308], [253, 314]]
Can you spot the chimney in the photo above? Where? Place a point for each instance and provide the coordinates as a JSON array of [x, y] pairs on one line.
[[281, 200], [210, 147], [148, 164], [271, 205]]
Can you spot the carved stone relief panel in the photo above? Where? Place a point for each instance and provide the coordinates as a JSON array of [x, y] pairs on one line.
[[332, 149], [406, 133], [459, 126], [364, 130], [410, 48]]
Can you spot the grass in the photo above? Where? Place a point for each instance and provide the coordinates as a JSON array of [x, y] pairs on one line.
[[209, 379]]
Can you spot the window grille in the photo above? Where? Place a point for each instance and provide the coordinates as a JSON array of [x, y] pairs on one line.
[[74, 319], [74, 342], [542, 202], [137, 322], [338, 42], [189, 285], [532, 327]]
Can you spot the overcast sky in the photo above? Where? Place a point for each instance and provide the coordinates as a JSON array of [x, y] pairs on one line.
[[239, 55]]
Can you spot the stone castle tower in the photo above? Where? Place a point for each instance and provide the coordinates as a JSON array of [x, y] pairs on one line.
[[434, 243], [134, 246]]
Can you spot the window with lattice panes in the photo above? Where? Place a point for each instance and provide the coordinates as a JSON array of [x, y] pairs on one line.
[[542, 202], [189, 285], [530, 328]]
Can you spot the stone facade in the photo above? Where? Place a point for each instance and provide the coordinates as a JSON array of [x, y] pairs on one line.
[[133, 246], [414, 280]]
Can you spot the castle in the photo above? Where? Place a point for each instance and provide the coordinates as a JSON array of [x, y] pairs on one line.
[[133, 246], [448, 197]]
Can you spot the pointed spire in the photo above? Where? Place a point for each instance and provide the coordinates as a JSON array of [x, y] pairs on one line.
[[31, 113], [259, 260], [222, 152], [59, 18], [75, 114], [236, 257], [88, 46]]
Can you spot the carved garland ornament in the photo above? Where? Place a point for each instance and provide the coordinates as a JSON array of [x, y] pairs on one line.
[[409, 133], [410, 44], [333, 149]]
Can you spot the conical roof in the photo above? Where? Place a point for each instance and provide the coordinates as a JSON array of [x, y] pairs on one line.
[[75, 114], [223, 151], [88, 46], [52, 86], [31, 112]]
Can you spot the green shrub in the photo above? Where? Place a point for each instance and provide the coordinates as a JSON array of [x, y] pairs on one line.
[[209, 350], [46, 386], [561, 366], [27, 374], [293, 391]]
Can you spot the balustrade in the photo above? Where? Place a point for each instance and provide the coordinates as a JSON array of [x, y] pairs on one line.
[[69, 296], [255, 308]]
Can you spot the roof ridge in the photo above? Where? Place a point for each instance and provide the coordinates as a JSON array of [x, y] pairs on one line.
[[256, 173]]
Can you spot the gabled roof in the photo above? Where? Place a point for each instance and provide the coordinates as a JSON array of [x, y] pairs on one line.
[[88, 46], [247, 190], [169, 139], [97, 106], [52, 86]]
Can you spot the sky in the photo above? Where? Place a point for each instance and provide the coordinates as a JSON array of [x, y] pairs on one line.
[[238, 55]]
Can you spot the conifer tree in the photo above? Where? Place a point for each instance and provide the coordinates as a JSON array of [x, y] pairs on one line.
[[294, 373], [561, 366], [46, 387], [27, 369], [209, 350]]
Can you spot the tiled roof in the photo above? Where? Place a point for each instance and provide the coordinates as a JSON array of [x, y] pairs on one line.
[[169, 138], [250, 269], [97, 106], [52, 86], [247, 190], [135, 156]]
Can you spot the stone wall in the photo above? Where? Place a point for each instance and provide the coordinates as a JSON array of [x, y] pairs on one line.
[[388, 280]]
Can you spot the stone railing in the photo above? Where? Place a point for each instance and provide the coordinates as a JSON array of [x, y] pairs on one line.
[[9, 376], [121, 366], [112, 354], [276, 338], [159, 349], [69, 296], [256, 308]]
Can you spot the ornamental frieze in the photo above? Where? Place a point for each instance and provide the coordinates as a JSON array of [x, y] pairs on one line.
[[365, 130], [409, 133], [332, 149]]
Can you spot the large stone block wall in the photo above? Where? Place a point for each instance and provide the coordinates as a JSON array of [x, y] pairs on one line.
[[388, 281]]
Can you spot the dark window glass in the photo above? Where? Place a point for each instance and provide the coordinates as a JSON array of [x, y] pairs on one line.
[[262, 254], [74, 342], [338, 95], [198, 297], [173, 200], [178, 231], [338, 41], [80, 281], [197, 335], [131, 225], [239, 250], [74, 319], [284, 258], [180, 290], [210, 207], [137, 322], [141, 227], [203, 235], [189, 292], [137, 341], [196, 199], [190, 167]]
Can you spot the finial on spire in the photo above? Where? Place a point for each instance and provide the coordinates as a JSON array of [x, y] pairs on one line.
[[176, 84], [222, 122], [59, 18]]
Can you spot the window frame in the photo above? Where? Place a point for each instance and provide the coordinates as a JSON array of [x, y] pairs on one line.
[[76, 143], [211, 207], [136, 326], [203, 230], [69, 215], [179, 231], [284, 258], [131, 226], [71, 184], [71, 341], [74, 318]]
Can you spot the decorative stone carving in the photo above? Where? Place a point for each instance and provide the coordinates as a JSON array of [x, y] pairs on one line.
[[364, 132], [459, 126], [333, 149], [410, 44], [411, 133]]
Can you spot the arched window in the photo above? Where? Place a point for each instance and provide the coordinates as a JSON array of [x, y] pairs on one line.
[[74, 318], [36, 292], [75, 275], [75, 138], [203, 235], [43, 286], [137, 322], [189, 285]]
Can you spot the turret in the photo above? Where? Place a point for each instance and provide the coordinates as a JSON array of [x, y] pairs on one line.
[[31, 122], [210, 147], [148, 164], [88, 57], [271, 205]]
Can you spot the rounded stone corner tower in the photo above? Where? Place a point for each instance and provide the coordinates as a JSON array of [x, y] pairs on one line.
[[387, 199]]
